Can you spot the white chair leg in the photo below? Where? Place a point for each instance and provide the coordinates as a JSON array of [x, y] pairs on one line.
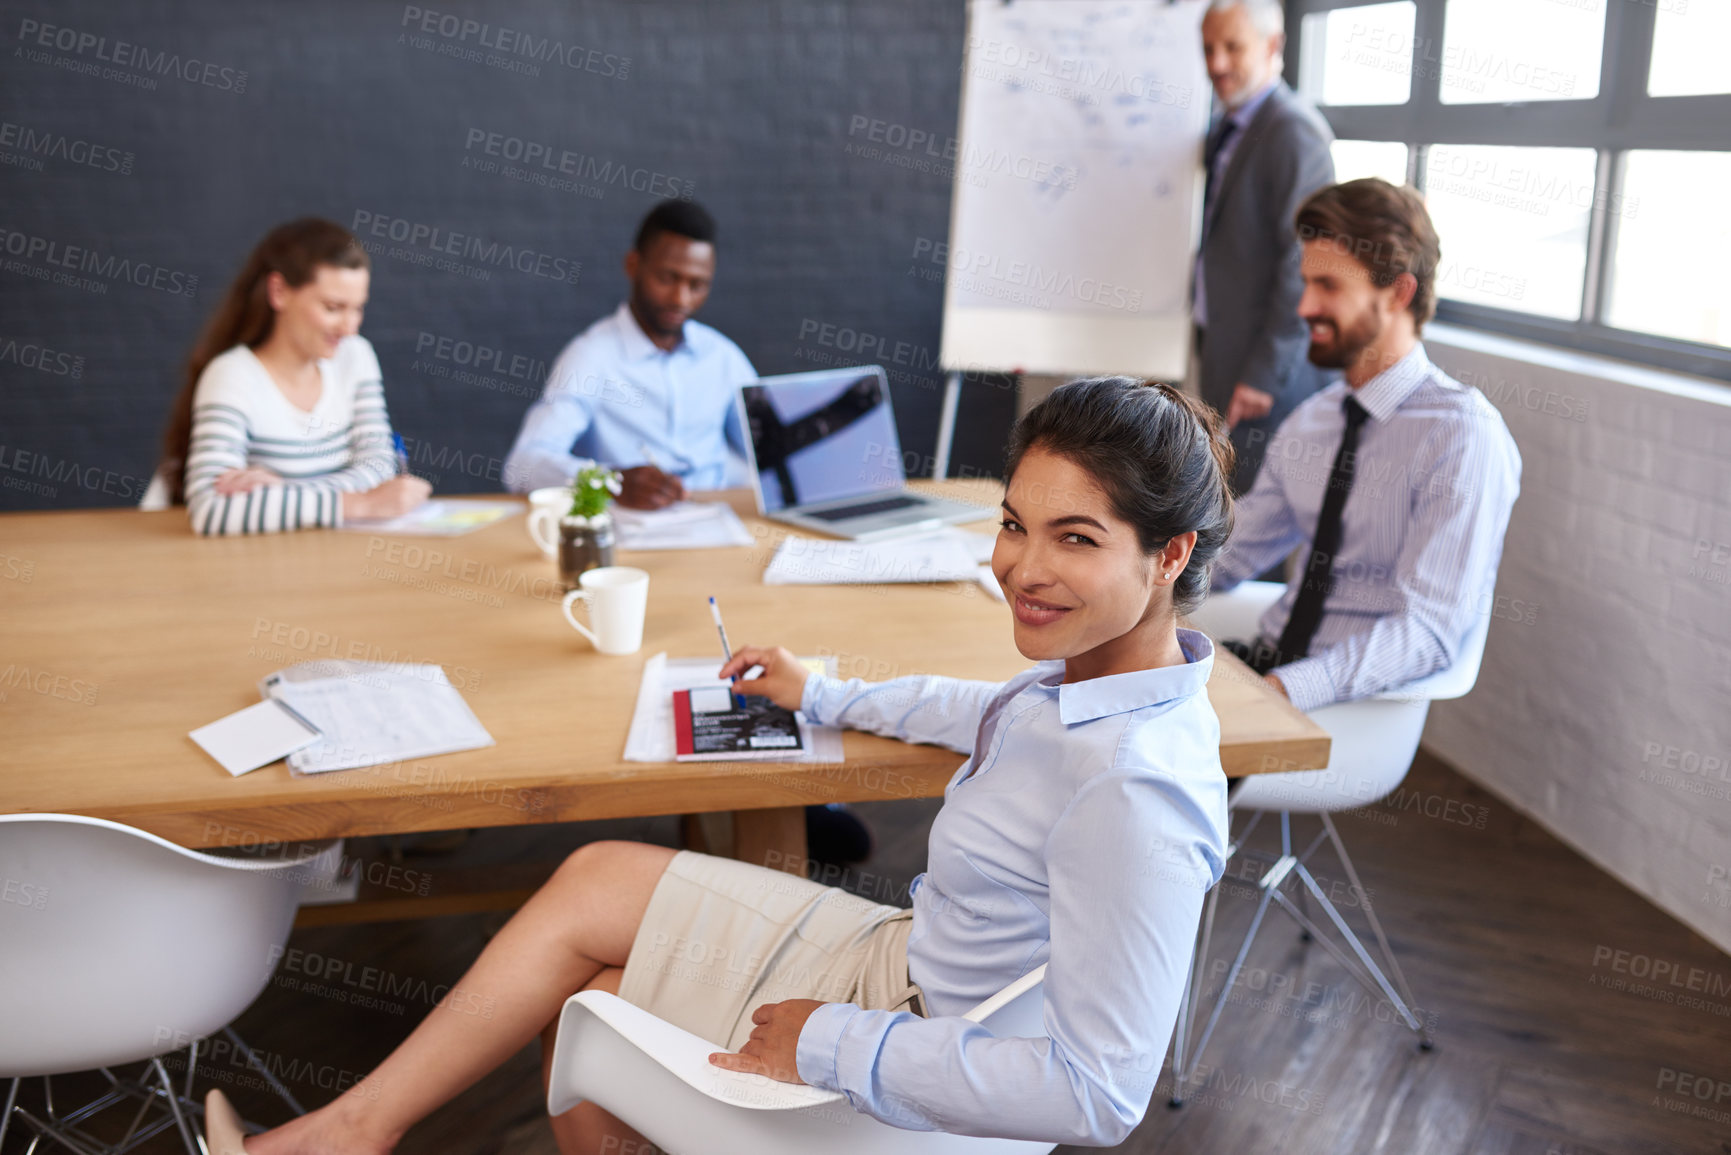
[[173, 1100], [6, 1115], [1191, 995], [1358, 963], [1181, 1077], [153, 1087], [1375, 924], [265, 1072], [63, 1135]]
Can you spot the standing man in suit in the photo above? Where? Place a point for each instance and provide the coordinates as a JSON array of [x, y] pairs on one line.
[[1267, 151]]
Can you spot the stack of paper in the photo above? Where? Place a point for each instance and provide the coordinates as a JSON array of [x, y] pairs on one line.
[[372, 713], [944, 556], [683, 525], [652, 737]]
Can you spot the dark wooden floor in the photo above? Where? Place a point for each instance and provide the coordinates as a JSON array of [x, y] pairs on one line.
[[1535, 968]]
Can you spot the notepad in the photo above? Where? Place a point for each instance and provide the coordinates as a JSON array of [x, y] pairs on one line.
[[254, 737], [374, 713], [682, 525], [653, 737], [713, 724], [945, 556]]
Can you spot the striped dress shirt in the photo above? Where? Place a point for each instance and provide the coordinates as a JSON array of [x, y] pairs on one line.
[[1435, 478], [240, 419]]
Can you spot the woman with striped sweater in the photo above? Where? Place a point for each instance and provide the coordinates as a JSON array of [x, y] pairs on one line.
[[281, 423]]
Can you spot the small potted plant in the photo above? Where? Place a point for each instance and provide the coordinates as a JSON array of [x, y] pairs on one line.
[[586, 532]]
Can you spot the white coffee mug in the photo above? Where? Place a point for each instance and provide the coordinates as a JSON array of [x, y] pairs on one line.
[[618, 597], [546, 507]]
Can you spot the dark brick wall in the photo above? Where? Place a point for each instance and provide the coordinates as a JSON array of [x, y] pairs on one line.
[[143, 200]]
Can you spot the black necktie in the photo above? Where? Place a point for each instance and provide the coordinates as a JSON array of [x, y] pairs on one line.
[[1217, 139], [1319, 566]]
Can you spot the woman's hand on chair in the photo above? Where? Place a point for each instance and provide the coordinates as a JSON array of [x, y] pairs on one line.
[[782, 680], [773, 1049]]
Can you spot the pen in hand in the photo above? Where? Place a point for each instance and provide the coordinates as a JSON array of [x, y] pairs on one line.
[[402, 454], [726, 650], [682, 466]]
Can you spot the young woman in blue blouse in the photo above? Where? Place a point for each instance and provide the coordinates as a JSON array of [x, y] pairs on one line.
[[1081, 833]]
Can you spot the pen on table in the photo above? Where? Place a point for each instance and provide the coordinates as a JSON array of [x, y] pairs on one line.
[[276, 679], [402, 454], [726, 650]]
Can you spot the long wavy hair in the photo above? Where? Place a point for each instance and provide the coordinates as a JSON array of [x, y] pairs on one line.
[[245, 317]]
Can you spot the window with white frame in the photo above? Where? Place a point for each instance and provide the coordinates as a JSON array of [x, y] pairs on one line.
[[1572, 153]]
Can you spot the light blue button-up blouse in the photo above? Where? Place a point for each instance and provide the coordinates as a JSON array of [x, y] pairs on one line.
[[1082, 832]]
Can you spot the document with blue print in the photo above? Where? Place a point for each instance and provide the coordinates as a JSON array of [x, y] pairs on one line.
[[373, 713]]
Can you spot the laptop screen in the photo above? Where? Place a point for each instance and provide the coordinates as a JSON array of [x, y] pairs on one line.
[[822, 436]]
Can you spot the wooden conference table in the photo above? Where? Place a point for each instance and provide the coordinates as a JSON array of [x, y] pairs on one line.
[[120, 632]]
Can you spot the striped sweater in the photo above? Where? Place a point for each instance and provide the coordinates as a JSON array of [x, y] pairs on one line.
[[240, 419]]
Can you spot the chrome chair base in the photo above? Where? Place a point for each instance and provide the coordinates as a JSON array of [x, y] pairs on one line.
[[160, 1107], [1379, 974]]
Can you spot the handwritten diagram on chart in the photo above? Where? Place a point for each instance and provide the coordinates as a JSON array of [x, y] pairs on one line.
[[1077, 186]]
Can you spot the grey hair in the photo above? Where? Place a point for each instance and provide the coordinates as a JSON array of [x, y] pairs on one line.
[[1269, 16]]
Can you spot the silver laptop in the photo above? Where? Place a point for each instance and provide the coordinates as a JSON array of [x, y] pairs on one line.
[[824, 456]]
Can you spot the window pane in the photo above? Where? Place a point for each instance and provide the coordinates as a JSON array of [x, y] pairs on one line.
[[1495, 51], [1356, 158], [1513, 225], [1673, 246], [1359, 55], [1689, 57]]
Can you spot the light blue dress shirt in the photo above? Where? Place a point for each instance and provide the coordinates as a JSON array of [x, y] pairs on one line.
[[1082, 833], [1434, 481], [1241, 116], [613, 391]]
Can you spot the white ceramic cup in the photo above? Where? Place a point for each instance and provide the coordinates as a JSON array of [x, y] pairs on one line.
[[546, 507], [618, 597]]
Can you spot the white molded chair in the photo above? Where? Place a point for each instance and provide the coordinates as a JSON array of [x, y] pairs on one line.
[[119, 947], [1373, 742], [658, 1079], [155, 498]]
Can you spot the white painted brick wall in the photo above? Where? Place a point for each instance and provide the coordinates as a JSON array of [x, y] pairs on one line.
[[1608, 719]]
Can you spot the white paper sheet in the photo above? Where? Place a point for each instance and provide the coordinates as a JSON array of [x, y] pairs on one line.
[[979, 545], [439, 519], [989, 582], [651, 738], [373, 713], [944, 556], [682, 525], [253, 737]]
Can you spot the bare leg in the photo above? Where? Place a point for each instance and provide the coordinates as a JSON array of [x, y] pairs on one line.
[[586, 1128], [580, 922]]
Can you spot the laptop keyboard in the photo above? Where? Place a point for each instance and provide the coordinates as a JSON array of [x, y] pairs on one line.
[[865, 508]]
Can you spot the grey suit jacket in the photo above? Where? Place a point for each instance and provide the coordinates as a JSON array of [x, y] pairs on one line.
[[1250, 258]]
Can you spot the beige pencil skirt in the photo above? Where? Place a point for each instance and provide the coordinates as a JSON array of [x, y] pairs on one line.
[[721, 938]]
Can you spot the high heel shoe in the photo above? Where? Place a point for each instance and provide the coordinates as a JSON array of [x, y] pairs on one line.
[[223, 1131]]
